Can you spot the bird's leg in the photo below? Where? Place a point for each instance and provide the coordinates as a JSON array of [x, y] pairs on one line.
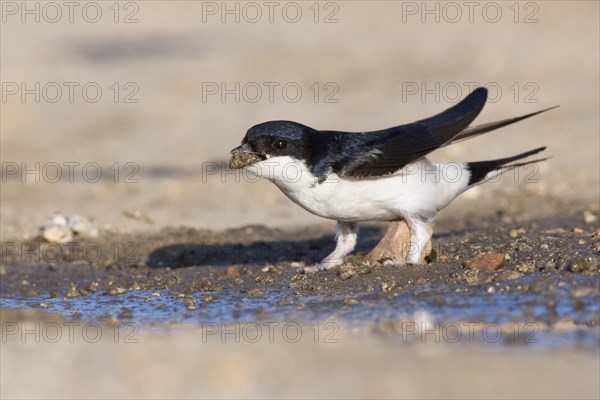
[[345, 234], [418, 241]]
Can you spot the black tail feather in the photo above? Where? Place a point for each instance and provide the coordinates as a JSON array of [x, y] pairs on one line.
[[480, 169]]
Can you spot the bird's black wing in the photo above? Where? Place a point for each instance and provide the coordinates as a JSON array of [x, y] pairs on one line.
[[378, 153]]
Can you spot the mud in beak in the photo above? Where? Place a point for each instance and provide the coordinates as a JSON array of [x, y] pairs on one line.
[[243, 156]]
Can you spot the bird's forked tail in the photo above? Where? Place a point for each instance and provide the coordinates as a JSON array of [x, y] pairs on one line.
[[482, 171]]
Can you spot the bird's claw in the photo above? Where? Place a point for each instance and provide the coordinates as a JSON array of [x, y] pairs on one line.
[[322, 266], [314, 268]]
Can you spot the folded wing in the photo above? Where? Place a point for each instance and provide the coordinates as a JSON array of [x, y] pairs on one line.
[[384, 152]]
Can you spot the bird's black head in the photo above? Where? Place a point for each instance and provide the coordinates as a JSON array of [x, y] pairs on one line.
[[272, 139]]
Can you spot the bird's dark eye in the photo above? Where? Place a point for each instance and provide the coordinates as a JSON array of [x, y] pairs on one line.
[[279, 144]]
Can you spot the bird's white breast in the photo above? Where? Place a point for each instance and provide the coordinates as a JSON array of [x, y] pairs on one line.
[[419, 188]]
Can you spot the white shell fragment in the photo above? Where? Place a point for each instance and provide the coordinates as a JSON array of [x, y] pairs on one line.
[[63, 228], [57, 234], [82, 226]]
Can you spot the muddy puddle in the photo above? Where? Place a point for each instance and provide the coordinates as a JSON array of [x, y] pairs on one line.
[[545, 294]]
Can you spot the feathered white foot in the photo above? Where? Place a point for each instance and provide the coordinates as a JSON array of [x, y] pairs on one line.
[[346, 234]]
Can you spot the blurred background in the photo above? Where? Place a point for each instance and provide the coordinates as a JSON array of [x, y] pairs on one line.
[[154, 94], [125, 112]]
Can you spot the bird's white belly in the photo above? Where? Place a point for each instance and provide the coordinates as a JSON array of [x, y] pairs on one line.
[[343, 200], [366, 199]]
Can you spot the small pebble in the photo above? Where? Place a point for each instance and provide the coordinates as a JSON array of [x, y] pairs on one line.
[[387, 286], [59, 219], [82, 226], [238, 281], [509, 275], [516, 232], [487, 261], [525, 267], [589, 217], [190, 301], [92, 287], [72, 292], [256, 292], [264, 279], [57, 234], [269, 268], [347, 271]]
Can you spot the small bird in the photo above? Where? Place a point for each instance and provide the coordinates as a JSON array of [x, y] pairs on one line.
[[374, 176]]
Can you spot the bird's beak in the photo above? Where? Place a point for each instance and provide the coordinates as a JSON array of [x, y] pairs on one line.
[[243, 156], [244, 148]]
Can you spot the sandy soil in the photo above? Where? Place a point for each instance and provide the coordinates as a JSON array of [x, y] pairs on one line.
[[183, 244]]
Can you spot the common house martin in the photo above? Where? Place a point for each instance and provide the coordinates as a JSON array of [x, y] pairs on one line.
[[374, 176]]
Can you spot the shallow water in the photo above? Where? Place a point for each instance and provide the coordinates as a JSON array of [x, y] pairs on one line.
[[506, 317]]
